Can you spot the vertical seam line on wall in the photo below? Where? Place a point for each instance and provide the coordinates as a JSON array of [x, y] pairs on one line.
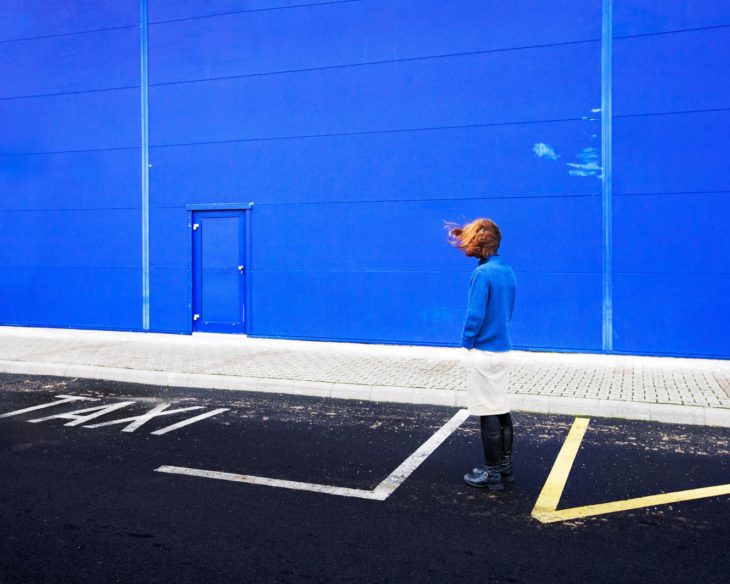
[[144, 110], [249, 271], [607, 164]]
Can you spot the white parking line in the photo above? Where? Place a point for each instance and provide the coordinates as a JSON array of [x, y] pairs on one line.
[[62, 399], [379, 493], [189, 421], [410, 464], [269, 482]]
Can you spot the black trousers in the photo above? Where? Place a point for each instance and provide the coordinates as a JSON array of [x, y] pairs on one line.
[[497, 437]]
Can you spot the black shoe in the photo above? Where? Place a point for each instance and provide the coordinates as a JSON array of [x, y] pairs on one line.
[[505, 468], [487, 477]]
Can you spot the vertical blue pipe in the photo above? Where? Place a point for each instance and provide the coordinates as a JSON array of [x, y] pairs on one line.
[[607, 164], [144, 89]]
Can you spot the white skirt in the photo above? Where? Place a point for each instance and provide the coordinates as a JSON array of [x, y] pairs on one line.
[[486, 381]]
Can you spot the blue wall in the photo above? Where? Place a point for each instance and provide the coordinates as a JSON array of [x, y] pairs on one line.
[[671, 177], [356, 128], [69, 164]]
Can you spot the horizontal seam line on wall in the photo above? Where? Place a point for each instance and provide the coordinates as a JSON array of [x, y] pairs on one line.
[[413, 271], [365, 132], [63, 209], [62, 93], [299, 270], [423, 200], [670, 193], [415, 200], [466, 271], [370, 63], [64, 267], [83, 327], [78, 151], [672, 354], [170, 268], [270, 9], [675, 31], [672, 113], [65, 34], [671, 273], [182, 207], [205, 16]]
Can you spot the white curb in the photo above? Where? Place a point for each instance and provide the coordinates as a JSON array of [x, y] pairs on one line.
[[678, 414]]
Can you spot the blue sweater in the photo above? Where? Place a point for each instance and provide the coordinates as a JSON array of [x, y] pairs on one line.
[[491, 303]]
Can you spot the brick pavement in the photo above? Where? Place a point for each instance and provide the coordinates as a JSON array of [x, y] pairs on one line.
[[679, 390]]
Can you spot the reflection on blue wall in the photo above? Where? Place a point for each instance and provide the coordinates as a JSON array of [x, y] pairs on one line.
[[357, 128]]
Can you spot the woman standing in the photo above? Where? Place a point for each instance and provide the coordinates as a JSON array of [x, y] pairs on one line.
[[486, 344]]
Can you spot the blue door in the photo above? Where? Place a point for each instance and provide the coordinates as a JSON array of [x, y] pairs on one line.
[[219, 271]]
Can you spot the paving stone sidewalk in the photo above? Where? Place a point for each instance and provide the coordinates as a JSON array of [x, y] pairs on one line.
[[677, 390]]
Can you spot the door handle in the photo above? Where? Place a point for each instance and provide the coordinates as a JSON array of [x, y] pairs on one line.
[[240, 268]]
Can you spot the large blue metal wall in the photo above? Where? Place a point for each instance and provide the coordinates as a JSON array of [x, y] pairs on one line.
[[671, 177], [69, 164], [356, 128]]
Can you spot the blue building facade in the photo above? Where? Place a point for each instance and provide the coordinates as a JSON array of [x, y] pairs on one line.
[[283, 168]]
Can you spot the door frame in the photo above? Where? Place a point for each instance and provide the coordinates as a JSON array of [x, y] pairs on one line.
[[190, 209]]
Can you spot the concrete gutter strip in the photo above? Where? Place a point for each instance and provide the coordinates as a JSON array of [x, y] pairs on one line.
[[546, 404]]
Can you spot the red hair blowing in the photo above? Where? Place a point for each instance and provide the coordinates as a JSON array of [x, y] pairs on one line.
[[479, 239]]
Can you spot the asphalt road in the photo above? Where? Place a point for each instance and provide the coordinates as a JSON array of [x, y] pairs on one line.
[[81, 504]]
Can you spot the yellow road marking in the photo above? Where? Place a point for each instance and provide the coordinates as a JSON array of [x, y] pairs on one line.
[[555, 483], [546, 507]]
